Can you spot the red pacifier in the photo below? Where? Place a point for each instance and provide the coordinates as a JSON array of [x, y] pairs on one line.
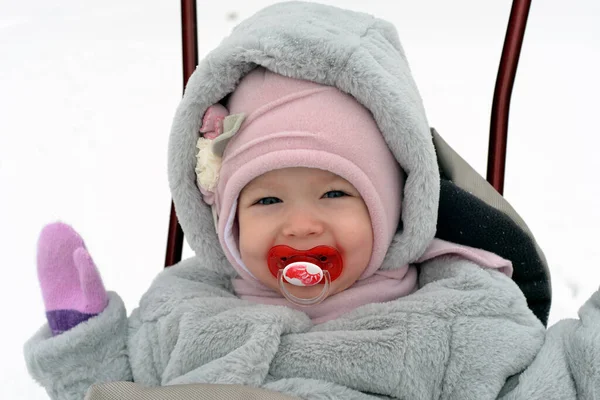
[[319, 265]]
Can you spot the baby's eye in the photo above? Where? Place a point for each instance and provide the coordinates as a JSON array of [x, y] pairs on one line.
[[332, 194], [267, 201]]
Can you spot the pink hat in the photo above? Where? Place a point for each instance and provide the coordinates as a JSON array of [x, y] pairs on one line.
[[297, 123]]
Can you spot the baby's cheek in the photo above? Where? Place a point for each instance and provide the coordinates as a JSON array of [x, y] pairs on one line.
[[360, 240], [266, 278], [258, 267]]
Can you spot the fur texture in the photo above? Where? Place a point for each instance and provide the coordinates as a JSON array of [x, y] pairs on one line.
[[461, 336], [92, 352]]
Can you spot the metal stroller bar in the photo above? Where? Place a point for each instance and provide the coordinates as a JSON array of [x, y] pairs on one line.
[[509, 61], [500, 108], [189, 43]]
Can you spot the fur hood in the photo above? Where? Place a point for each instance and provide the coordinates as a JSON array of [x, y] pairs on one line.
[[362, 56]]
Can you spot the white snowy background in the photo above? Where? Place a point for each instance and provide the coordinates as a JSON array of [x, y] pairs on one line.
[[88, 90]]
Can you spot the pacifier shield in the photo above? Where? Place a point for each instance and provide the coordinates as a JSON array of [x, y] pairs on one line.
[[305, 265]]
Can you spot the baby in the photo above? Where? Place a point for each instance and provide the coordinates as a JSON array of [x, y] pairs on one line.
[[305, 176]]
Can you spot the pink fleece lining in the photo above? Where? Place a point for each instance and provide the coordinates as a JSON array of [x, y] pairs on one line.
[[381, 287], [484, 258]]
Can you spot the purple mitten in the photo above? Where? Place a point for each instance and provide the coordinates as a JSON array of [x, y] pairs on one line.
[[72, 288]]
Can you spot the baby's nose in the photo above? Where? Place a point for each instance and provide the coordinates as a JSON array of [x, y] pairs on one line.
[[301, 224]]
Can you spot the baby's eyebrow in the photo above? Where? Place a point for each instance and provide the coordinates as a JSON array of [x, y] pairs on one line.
[[335, 180], [255, 187], [276, 184]]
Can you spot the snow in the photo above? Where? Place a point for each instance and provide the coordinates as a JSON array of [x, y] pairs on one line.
[[87, 93]]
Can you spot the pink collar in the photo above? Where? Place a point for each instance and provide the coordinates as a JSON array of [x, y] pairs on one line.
[[380, 287]]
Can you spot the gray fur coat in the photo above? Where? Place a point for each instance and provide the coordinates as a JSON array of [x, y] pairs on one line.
[[461, 336]]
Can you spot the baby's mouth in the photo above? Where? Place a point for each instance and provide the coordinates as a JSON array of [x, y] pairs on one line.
[[305, 264], [319, 265]]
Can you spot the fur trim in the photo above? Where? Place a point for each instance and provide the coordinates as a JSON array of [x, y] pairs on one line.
[[92, 352]]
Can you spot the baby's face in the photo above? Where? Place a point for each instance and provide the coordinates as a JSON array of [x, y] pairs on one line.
[[303, 208]]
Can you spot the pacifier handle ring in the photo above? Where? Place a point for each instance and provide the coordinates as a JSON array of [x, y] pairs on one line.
[[305, 302]]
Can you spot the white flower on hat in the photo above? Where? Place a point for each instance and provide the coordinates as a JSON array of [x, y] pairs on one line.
[[217, 128], [208, 165]]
